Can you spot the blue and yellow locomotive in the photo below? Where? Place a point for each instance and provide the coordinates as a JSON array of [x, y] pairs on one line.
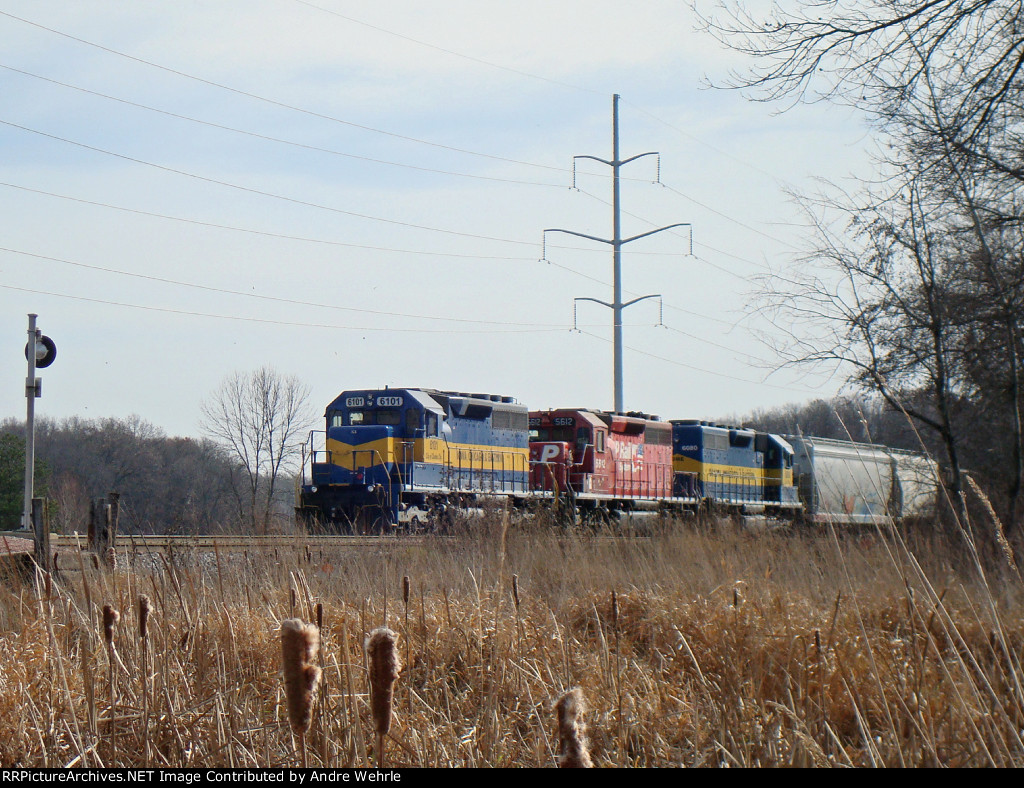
[[732, 468], [405, 456]]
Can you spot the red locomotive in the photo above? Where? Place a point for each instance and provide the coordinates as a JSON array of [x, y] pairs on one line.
[[601, 459]]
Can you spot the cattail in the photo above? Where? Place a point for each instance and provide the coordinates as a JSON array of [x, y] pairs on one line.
[[145, 607], [515, 591], [572, 732], [320, 616], [110, 619], [300, 644], [615, 610], [1004, 545], [406, 588], [382, 656]]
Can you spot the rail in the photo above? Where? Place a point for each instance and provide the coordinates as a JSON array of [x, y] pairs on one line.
[[141, 543]]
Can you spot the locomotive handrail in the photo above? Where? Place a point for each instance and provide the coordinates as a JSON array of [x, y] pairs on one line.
[[312, 453], [736, 487], [480, 467]]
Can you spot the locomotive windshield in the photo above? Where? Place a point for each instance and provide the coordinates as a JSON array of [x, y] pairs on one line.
[[357, 418], [561, 434]]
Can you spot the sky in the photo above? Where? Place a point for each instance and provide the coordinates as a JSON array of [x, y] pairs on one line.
[[356, 194]]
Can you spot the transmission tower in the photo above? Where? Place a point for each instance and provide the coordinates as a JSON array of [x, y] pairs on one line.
[[616, 242]]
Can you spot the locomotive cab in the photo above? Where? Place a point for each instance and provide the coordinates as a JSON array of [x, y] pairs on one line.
[[778, 471]]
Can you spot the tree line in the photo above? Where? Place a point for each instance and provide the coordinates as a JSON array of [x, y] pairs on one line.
[[239, 475], [167, 484]]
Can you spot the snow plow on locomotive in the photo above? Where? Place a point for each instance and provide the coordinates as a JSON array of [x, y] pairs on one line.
[[416, 458]]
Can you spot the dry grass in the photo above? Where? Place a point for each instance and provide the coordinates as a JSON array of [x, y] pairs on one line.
[[691, 648]]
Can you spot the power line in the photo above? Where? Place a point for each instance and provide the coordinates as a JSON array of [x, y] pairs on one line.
[[280, 104], [268, 321], [683, 364], [381, 131], [266, 233], [706, 144], [303, 238], [724, 270], [276, 299], [315, 205], [481, 61], [279, 140], [727, 217], [260, 192]]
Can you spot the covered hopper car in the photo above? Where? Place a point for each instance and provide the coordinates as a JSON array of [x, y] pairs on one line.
[[860, 483]]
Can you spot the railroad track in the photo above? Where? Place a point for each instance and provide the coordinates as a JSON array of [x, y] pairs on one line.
[[212, 543]]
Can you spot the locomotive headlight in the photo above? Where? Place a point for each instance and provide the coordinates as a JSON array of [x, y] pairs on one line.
[[312, 489]]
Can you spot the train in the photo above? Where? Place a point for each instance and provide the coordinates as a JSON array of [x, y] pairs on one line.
[[416, 458]]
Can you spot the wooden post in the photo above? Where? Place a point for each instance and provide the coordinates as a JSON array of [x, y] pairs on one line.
[[103, 517], [91, 533], [114, 500], [99, 526], [41, 530]]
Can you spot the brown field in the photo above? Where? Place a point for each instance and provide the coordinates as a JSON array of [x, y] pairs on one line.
[[692, 648]]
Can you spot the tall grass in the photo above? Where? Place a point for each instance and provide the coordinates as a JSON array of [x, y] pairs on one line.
[[692, 647]]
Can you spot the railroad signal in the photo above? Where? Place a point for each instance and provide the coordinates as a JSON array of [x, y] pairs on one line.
[[46, 351]]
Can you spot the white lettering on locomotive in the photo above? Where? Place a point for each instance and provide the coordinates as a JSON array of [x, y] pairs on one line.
[[550, 452]]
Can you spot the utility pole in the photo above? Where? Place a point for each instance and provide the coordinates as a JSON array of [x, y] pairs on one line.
[[616, 242]]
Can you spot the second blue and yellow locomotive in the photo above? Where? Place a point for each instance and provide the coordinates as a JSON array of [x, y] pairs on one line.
[[732, 468]]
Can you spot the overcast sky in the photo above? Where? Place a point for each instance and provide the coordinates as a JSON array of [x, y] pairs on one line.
[[356, 194]]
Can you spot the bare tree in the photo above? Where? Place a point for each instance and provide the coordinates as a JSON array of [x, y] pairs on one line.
[[261, 418], [876, 296], [879, 55], [921, 281]]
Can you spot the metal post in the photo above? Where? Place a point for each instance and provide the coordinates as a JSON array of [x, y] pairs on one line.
[[616, 259], [31, 392]]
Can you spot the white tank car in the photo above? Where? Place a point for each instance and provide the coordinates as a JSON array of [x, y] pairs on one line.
[[861, 483]]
